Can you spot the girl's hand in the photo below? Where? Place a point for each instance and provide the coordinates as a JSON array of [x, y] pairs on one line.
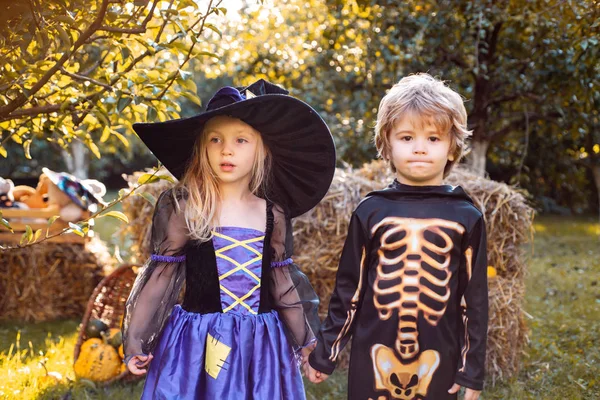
[[305, 352], [470, 394], [313, 375], [136, 363]]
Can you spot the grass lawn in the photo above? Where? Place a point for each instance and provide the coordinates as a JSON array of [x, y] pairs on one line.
[[562, 360]]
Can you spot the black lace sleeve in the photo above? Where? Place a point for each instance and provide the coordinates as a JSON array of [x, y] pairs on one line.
[[293, 296], [157, 286]]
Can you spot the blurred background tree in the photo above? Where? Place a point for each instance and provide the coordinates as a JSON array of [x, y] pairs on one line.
[[75, 74], [528, 70], [518, 64]]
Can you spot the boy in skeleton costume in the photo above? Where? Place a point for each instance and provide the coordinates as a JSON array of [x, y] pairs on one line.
[[411, 288]]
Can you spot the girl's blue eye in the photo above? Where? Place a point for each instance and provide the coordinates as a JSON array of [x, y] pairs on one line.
[[214, 140], [242, 140]]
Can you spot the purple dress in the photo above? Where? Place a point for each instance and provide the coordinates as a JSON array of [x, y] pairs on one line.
[[248, 347], [237, 329]]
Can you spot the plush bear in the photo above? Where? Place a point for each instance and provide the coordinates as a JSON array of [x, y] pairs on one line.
[[72, 196]]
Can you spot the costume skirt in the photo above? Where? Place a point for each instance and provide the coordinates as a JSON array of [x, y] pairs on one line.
[[223, 356]]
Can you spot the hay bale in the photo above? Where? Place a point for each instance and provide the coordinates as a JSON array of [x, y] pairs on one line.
[[50, 280], [139, 211], [509, 224]]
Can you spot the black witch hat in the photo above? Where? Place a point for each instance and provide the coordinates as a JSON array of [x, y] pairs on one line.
[[301, 146]]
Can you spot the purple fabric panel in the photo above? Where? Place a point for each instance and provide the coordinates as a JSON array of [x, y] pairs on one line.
[[239, 282]]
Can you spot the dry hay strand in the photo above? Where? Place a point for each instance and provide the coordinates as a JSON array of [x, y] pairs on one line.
[[319, 237], [51, 280], [140, 211]]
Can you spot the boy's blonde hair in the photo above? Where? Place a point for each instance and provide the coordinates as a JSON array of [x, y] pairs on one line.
[[428, 98], [201, 184]]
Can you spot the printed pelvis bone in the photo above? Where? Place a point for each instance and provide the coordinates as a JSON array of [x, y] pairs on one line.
[[403, 381], [412, 275]]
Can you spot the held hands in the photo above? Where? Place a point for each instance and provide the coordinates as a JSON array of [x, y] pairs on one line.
[[137, 362], [312, 374], [470, 394]]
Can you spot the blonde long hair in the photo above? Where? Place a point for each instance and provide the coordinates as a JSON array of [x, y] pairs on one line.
[[202, 187]]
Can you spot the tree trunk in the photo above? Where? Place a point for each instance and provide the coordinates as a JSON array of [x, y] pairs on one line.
[[477, 157], [77, 159]]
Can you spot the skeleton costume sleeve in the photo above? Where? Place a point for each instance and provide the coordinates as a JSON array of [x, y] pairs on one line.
[[157, 286], [474, 307], [345, 300]]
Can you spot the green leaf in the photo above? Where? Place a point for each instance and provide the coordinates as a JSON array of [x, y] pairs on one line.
[[65, 104], [64, 36], [27, 235], [5, 223], [76, 229], [105, 134], [184, 74], [37, 235], [147, 178], [207, 53], [26, 148], [52, 219], [94, 149], [122, 138], [151, 199], [193, 98], [188, 84], [123, 103], [116, 214], [151, 114], [214, 29], [167, 178]]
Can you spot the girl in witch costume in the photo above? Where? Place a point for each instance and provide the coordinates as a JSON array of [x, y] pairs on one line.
[[255, 159], [411, 288]]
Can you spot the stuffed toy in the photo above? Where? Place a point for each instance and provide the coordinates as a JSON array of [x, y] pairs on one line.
[[7, 195], [72, 196], [33, 198]]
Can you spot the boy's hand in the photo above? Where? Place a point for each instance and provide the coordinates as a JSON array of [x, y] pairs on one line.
[[137, 363], [470, 394], [313, 375]]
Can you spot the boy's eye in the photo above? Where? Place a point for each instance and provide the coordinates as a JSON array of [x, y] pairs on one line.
[[406, 138], [434, 139]]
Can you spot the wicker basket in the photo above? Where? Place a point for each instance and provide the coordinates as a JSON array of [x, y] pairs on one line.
[[107, 303]]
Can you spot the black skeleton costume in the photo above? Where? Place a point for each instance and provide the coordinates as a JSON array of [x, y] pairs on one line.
[[411, 291]]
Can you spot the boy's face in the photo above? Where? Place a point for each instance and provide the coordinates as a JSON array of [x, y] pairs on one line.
[[419, 151]]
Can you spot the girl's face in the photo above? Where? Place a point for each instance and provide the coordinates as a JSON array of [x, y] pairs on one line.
[[419, 151], [231, 145]]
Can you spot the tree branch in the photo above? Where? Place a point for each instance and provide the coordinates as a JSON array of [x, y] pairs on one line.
[[122, 30], [21, 99], [85, 78]]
